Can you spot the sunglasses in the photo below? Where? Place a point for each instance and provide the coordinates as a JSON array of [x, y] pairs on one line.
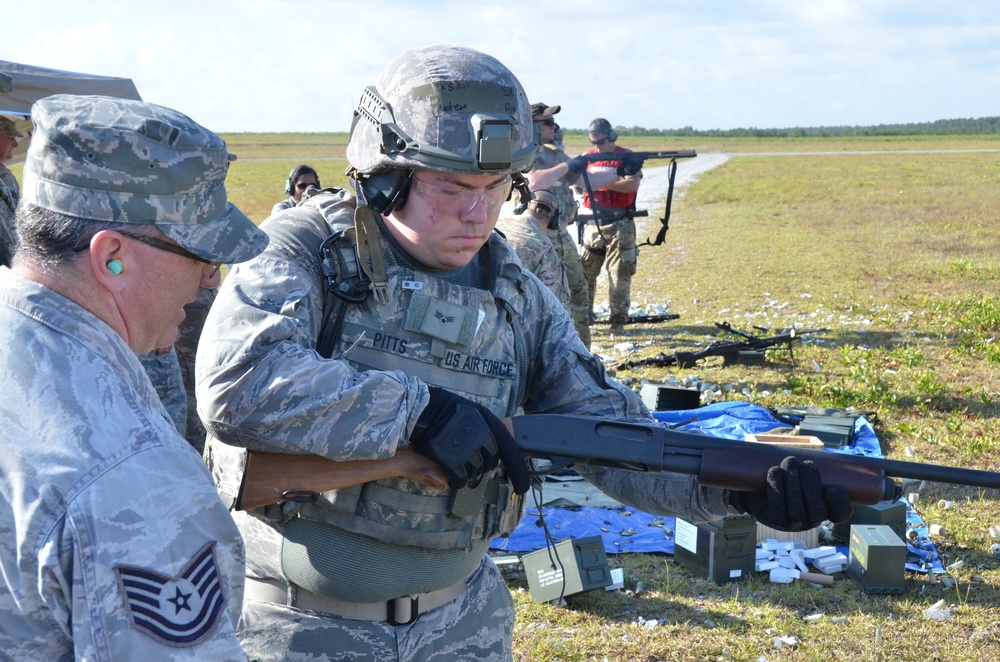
[[302, 187]]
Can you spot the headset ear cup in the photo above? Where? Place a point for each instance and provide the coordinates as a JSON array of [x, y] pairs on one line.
[[613, 136], [290, 182]]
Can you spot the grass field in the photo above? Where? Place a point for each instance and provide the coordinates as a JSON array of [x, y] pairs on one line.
[[895, 252]]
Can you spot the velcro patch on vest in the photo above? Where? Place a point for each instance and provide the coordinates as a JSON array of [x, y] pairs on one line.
[[178, 611], [478, 365], [440, 319]]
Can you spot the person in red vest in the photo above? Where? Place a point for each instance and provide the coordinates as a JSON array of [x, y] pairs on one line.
[[611, 242]]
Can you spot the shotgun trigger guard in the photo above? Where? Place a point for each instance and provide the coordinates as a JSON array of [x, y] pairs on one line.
[[300, 496], [558, 464]]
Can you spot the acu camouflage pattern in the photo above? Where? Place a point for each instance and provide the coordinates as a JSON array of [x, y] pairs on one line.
[[611, 246], [287, 203], [549, 156], [477, 626], [108, 159], [262, 385], [186, 349], [536, 253], [10, 194], [433, 93], [164, 371], [580, 301], [93, 477]]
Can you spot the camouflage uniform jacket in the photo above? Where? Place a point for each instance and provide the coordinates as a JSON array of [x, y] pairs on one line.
[[113, 543], [549, 156], [262, 385], [537, 254], [10, 194], [287, 203]]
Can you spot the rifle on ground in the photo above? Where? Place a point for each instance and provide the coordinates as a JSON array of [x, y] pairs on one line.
[[630, 164], [566, 440], [729, 350], [643, 319]]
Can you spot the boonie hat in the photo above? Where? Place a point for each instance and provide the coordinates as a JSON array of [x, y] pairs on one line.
[[118, 160], [9, 129], [541, 111]]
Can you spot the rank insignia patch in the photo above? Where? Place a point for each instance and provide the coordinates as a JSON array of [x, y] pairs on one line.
[[178, 611]]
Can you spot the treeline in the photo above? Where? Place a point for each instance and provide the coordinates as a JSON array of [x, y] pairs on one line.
[[965, 127]]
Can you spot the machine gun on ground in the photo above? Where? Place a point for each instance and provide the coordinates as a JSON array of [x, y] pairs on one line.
[[729, 350], [643, 319], [629, 164]]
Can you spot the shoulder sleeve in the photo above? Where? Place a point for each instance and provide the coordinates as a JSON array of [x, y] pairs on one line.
[[145, 574], [261, 383]]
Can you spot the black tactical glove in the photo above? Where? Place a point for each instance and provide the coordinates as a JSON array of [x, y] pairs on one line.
[[577, 165], [795, 499], [628, 167], [467, 440]]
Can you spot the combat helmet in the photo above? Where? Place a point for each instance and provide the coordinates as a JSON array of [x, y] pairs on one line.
[[446, 108]]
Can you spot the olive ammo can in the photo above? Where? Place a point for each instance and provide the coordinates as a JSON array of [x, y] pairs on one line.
[[890, 513], [572, 566], [722, 551], [877, 558]]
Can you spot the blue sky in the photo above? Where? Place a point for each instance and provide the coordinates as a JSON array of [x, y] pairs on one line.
[[263, 65]]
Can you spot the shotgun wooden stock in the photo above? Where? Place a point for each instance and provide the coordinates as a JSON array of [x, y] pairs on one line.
[[276, 477]]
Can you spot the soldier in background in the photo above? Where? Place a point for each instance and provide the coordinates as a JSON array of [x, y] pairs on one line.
[[551, 172], [299, 179], [10, 192], [526, 235], [115, 545], [611, 244]]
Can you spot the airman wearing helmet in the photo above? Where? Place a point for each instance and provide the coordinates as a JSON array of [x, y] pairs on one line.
[[526, 234], [372, 323]]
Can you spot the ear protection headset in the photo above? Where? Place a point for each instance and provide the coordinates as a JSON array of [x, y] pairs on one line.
[[382, 191], [297, 172], [601, 125]]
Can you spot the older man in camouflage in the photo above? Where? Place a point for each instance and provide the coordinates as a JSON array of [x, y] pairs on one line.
[[114, 544], [398, 319], [526, 235]]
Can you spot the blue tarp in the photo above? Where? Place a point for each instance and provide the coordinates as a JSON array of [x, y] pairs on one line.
[[629, 530]]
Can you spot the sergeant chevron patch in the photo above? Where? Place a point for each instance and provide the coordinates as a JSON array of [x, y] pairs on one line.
[[178, 611]]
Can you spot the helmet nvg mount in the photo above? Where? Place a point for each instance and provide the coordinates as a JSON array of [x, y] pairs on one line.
[[445, 108]]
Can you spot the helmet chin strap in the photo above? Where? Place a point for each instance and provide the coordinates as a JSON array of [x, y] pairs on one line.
[[370, 249]]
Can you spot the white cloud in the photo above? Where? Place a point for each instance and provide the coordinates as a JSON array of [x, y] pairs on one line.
[[259, 65]]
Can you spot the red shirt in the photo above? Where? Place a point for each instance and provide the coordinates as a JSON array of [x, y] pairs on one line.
[[602, 196]]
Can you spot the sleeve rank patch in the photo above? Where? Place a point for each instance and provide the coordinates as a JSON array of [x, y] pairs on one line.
[[177, 611]]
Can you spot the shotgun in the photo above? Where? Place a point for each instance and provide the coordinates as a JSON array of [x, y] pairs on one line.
[[629, 164], [565, 440]]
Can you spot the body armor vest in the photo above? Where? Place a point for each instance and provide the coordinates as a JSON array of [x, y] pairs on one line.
[[461, 338]]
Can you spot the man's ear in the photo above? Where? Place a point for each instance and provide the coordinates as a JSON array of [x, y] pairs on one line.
[[108, 261]]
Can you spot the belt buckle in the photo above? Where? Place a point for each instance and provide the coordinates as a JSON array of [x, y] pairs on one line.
[[397, 607]]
